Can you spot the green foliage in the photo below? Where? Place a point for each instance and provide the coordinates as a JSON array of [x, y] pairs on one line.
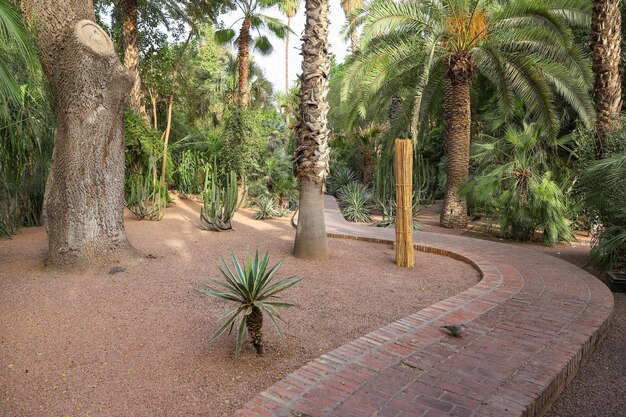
[[144, 146], [338, 179], [516, 188], [388, 210], [146, 197], [248, 284], [191, 169], [266, 208], [220, 202], [27, 127], [243, 141], [355, 201], [601, 187], [523, 48]]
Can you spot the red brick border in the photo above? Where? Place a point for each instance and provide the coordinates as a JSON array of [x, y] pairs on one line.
[[532, 320]]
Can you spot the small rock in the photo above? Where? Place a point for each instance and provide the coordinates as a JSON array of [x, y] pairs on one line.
[[116, 270]]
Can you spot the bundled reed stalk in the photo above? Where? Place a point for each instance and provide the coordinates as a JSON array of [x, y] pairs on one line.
[[403, 164]]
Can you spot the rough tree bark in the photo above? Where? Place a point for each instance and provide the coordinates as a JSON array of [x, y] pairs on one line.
[[605, 53], [84, 198], [130, 46], [312, 152], [457, 120], [243, 45]]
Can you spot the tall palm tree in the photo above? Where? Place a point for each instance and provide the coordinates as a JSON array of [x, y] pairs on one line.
[[312, 151], [606, 54], [523, 47], [252, 20], [349, 6], [290, 8]]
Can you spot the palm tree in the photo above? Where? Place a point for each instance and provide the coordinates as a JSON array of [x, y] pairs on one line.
[[605, 52], [522, 47], [290, 8], [252, 20], [349, 6], [312, 152]]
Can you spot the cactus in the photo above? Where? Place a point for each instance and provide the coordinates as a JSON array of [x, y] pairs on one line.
[[219, 202], [146, 197]]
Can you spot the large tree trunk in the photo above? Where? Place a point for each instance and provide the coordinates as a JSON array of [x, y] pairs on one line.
[[312, 152], [457, 120], [131, 53], [243, 45], [84, 199], [605, 52]]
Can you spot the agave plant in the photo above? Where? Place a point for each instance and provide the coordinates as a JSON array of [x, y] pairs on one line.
[[355, 199], [387, 208], [265, 207], [338, 179], [250, 286]]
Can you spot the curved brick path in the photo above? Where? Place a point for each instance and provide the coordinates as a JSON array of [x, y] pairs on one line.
[[532, 320]]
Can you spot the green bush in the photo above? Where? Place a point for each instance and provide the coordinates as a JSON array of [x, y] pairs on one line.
[[249, 285], [355, 201], [243, 141], [388, 210], [516, 188]]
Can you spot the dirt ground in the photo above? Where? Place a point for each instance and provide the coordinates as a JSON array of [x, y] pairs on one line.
[[135, 343]]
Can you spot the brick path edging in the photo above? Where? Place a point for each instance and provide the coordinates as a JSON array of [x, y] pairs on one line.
[[533, 319]]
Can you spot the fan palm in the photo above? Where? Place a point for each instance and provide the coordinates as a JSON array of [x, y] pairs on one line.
[[252, 20], [522, 47]]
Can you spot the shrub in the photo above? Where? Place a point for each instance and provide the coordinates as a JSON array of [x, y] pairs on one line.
[[516, 188], [250, 286], [355, 200]]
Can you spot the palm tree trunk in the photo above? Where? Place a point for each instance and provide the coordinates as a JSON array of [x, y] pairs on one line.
[[244, 51], [130, 46], [605, 52], [354, 44], [287, 60], [457, 120], [84, 197], [312, 152]]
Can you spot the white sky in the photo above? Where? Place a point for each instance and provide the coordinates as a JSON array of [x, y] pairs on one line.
[[274, 65]]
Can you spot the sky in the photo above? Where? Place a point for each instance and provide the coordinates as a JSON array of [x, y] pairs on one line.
[[274, 65]]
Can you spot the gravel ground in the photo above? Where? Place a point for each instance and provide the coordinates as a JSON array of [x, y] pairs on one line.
[[135, 343]]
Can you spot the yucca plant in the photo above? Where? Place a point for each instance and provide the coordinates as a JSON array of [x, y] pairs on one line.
[[355, 201], [266, 207], [249, 285]]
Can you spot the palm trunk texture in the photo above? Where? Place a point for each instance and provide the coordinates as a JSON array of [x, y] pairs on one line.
[[457, 121], [243, 44], [312, 152], [605, 53], [131, 53]]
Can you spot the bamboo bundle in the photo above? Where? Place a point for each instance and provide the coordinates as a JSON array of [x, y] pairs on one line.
[[403, 163]]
